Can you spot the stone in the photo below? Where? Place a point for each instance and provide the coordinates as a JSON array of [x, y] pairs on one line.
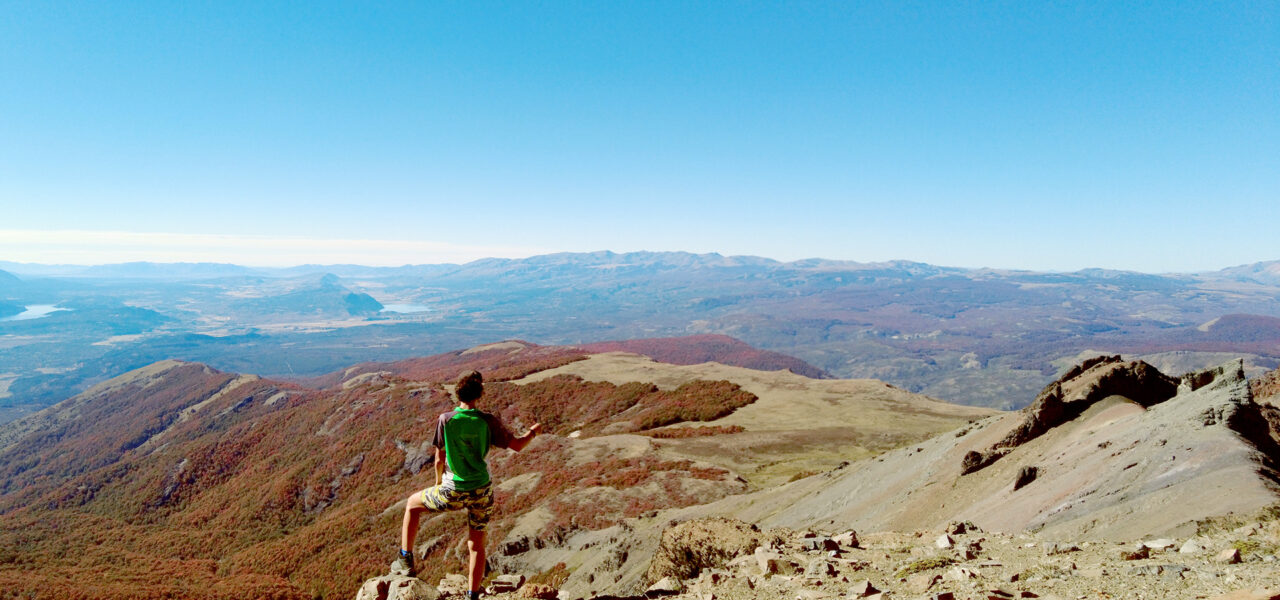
[[1139, 553], [1160, 544], [1147, 570], [944, 541], [538, 591], [848, 538], [1229, 556], [997, 594], [1052, 548], [830, 545], [921, 582], [820, 568], [772, 563], [1191, 546], [506, 583], [667, 586], [943, 596], [396, 587], [512, 547], [960, 574], [453, 584], [862, 589], [1025, 475]]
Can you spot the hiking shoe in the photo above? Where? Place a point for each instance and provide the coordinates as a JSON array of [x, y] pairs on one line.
[[403, 566]]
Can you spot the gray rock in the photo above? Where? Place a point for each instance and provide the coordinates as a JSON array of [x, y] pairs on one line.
[[820, 568], [1192, 546], [1052, 548], [1139, 553], [506, 583], [396, 587], [1147, 570], [1229, 556], [453, 584], [667, 586], [862, 589]]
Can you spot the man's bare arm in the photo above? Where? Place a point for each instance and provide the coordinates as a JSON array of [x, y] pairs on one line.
[[519, 443], [439, 465]]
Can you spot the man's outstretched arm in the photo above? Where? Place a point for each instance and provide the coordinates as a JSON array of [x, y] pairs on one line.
[[519, 443]]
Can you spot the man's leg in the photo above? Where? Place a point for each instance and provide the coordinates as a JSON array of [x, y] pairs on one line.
[[409, 527], [475, 555]]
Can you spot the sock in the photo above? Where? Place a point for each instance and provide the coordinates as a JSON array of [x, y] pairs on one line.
[[406, 554]]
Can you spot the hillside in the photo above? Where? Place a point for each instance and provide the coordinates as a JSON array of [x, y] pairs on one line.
[[694, 349], [191, 482], [1113, 452]]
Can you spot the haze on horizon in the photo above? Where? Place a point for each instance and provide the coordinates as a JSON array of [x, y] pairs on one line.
[[1037, 137]]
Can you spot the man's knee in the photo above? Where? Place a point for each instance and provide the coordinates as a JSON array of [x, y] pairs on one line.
[[475, 539], [414, 502]]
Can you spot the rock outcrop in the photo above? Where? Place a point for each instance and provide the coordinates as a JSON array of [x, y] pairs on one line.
[[1127, 457]]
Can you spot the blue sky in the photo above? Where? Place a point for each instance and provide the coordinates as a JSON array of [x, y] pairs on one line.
[[1024, 135]]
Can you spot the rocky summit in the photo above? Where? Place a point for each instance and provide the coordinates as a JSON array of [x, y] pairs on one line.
[[723, 559]]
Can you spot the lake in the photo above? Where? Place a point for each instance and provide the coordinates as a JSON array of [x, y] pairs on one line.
[[35, 311]]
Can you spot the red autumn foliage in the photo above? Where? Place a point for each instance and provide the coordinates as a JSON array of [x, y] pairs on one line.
[[269, 490]]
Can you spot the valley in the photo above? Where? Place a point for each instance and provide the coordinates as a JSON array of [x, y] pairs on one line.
[[981, 337]]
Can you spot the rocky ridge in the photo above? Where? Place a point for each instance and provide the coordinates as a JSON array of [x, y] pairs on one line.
[[724, 559]]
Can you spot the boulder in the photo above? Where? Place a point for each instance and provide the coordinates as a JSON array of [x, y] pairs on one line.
[[1229, 556], [848, 538], [1052, 548], [862, 589], [396, 587], [921, 582], [820, 568], [1139, 553], [538, 591], [1192, 546], [453, 584], [1160, 544], [944, 541], [667, 586], [506, 583], [1026, 475]]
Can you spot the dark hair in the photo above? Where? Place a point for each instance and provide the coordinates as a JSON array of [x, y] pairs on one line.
[[470, 387]]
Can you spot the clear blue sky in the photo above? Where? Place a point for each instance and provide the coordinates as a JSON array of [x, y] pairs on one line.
[[1020, 134]]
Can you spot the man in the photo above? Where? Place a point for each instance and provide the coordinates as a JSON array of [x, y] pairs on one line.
[[462, 439]]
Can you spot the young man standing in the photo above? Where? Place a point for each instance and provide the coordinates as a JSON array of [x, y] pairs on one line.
[[462, 439]]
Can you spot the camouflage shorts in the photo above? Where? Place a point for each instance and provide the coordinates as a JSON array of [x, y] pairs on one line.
[[478, 502]]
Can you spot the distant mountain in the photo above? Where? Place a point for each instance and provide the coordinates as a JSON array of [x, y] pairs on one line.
[[1265, 273], [984, 337], [171, 271], [326, 298]]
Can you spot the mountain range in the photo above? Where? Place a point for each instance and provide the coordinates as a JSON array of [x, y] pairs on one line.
[[983, 337], [177, 479]]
